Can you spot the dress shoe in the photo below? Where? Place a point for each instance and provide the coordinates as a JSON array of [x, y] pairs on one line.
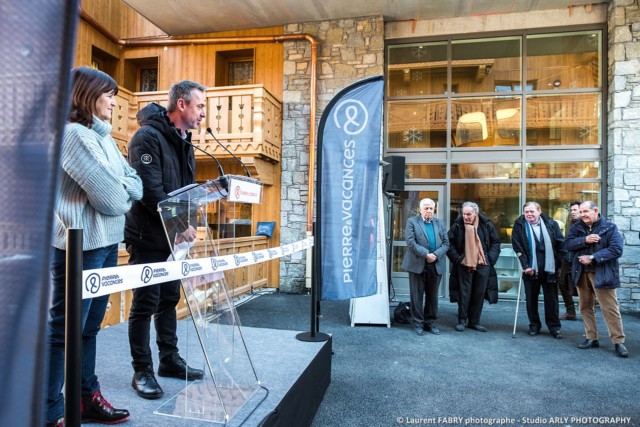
[[58, 423], [589, 344], [479, 328], [419, 330], [460, 327], [176, 367], [96, 409], [432, 329], [556, 334], [533, 330], [568, 316], [622, 350], [145, 384]]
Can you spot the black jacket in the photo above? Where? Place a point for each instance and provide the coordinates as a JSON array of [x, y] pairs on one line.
[[490, 241], [165, 162], [521, 243]]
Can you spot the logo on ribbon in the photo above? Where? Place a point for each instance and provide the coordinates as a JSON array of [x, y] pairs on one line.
[[147, 274], [186, 268], [214, 264], [92, 284]]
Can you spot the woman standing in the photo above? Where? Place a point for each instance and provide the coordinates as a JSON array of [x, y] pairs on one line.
[[97, 188]]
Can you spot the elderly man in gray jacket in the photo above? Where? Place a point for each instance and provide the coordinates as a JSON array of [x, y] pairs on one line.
[[424, 259]]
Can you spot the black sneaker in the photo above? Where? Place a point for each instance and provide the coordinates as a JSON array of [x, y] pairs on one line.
[[96, 409]]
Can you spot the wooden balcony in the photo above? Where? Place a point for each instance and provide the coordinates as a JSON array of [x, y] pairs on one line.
[[246, 119]]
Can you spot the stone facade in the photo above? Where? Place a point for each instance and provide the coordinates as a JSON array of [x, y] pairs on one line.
[[348, 50], [624, 141]]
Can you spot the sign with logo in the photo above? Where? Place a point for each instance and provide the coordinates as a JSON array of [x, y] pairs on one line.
[[244, 191], [348, 168]]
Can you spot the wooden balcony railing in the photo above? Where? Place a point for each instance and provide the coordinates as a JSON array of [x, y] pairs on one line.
[[246, 119]]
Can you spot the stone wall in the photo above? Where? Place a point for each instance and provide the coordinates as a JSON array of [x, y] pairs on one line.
[[624, 141], [348, 50]]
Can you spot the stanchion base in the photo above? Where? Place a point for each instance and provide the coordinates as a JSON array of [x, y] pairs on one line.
[[308, 337]]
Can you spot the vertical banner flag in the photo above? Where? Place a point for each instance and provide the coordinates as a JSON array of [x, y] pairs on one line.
[[349, 138]]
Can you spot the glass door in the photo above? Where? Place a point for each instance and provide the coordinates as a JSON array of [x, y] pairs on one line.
[[406, 204]]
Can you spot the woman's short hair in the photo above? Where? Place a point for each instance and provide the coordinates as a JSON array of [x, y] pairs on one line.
[[87, 85]]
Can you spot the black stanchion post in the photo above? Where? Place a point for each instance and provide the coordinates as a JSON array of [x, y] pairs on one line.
[[73, 329], [314, 335], [392, 198]]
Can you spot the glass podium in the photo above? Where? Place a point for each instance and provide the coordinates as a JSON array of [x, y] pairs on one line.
[[215, 343]]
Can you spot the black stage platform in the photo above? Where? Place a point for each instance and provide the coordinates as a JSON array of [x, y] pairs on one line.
[[295, 373]]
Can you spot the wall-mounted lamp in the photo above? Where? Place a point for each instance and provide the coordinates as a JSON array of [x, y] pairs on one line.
[[557, 83]]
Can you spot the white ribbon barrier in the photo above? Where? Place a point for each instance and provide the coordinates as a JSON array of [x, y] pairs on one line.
[[106, 281]]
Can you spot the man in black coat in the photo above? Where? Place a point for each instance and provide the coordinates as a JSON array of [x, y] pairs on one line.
[[161, 153], [474, 248], [538, 242]]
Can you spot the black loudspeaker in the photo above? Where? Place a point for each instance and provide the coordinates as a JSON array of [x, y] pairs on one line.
[[393, 174]]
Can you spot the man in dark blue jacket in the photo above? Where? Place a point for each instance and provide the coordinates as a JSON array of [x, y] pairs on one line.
[[597, 245], [161, 153]]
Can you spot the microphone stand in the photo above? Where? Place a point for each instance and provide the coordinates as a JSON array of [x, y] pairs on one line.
[[229, 151]]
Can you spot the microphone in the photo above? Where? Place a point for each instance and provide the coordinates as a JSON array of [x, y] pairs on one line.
[[229, 151], [223, 179]]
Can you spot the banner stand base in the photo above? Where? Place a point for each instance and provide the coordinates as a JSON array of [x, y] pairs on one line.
[[309, 337]]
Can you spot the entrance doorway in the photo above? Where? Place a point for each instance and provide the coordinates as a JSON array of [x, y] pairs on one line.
[[407, 204]]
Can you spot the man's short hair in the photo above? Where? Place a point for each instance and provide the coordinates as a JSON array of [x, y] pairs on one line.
[[536, 204], [427, 201], [472, 205], [182, 90], [591, 204], [575, 202]]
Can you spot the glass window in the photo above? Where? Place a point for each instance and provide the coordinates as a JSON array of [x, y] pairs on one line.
[[417, 124], [497, 201], [565, 60], [563, 170], [485, 170], [485, 122], [417, 69], [563, 119], [478, 64], [416, 171]]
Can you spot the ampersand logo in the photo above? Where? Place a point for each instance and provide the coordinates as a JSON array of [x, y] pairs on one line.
[[186, 268], [214, 264], [147, 274], [351, 116], [92, 284]]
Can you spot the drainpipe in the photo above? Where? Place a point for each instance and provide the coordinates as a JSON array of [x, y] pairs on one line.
[[168, 41]]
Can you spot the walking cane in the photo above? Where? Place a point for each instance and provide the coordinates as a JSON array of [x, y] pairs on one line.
[[515, 320]]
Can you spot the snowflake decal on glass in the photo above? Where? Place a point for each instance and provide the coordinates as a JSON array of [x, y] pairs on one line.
[[416, 76], [574, 84], [587, 132], [401, 92], [418, 52], [412, 136]]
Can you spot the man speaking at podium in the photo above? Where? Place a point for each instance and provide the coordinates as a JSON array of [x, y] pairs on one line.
[[161, 153]]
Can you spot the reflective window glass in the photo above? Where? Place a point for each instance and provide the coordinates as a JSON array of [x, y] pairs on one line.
[[497, 201], [563, 170], [563, 119], [485, 122], [417, 171], [417, 69], [485, 170], [417, 124], [565, 60], [482, 64]]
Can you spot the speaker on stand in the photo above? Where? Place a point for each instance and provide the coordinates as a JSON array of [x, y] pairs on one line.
[[393, 172]]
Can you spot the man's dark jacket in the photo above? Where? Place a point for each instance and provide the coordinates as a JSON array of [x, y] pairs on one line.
[[606, 252], [490, 245], [521, 244], [165, 162]]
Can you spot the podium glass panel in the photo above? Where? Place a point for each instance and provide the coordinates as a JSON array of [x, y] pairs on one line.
[[230, 382]]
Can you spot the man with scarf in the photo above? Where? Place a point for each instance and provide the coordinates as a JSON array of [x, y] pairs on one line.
[[538, 242], [474, 248]]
